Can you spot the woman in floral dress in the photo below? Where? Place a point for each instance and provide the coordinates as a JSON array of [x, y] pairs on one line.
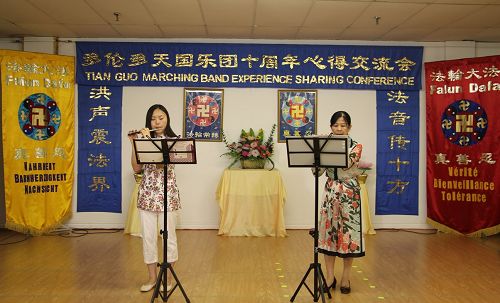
[[340, 213], [150, 197]]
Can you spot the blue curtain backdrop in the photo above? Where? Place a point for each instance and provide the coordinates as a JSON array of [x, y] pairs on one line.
[[114, 64]]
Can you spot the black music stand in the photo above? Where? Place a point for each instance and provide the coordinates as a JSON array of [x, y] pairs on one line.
[[316, 151], [165, 151]]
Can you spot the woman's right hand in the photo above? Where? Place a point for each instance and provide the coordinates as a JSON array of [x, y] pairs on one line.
[[321, 170], [132, 134], [142, 133]]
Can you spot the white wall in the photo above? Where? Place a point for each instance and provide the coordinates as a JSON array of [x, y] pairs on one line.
[[11, 44], [257, 108]]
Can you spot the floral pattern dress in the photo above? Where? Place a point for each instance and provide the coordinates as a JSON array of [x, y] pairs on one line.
[[150, 195], [340, 231]]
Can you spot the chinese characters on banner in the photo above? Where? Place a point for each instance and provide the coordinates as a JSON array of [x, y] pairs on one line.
[[285, 66], [463, 151], [397, 152], [296, 113], [203, 114], [249, 65], [38, 139], [99, 149]]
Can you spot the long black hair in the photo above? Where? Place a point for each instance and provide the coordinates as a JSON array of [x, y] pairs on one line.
[[168, 130], [338, 115]]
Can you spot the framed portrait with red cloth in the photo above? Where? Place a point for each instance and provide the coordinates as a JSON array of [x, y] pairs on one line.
[[463, 150], [203, 114]]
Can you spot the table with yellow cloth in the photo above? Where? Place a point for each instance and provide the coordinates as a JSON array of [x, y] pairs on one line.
[[251, 203], [133, 223]]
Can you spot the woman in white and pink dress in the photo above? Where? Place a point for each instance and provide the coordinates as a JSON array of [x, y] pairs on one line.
[[340, 233]]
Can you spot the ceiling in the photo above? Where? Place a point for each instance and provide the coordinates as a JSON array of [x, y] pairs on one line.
[[372, 20]]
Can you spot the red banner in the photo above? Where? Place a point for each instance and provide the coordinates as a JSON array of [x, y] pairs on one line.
[[463, 145]]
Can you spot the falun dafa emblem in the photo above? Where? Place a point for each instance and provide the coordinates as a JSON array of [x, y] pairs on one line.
[[39, 117], [464, 122]]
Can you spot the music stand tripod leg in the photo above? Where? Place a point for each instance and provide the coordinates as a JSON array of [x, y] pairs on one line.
[[162, 280], [303, 282], [320, 278], [323, 281]]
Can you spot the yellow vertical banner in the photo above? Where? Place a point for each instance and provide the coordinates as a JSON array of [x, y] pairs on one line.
[[38, 139]]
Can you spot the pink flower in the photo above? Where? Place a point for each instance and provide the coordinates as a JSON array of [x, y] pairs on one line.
[[364, 166]]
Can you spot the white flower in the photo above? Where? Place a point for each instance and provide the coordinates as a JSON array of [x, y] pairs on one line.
[[254, 153]]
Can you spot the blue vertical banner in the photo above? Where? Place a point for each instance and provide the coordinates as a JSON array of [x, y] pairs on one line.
[[99, 149], [397, 152]]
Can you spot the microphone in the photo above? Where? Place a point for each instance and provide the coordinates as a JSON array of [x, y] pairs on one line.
[[135, 132]]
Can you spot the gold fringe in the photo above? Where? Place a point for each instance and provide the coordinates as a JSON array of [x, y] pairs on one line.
[[36, 232], [485, 232]]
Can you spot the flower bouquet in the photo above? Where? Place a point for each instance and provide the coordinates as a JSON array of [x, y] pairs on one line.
[[363, 166], [251, 149]]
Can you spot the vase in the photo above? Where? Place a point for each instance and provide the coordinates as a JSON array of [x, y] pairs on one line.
[[362, 178], [253, 163]]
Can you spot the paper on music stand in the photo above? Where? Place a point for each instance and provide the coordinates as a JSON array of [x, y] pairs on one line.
[[180, 151], [333, 152]]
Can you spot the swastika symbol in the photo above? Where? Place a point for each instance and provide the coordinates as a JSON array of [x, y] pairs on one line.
[[297, 111], [203, 111]]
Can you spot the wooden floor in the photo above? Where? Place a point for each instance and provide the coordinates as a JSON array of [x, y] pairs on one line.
[[107, 267]]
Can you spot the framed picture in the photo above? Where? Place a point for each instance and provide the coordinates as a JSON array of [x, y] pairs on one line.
[[203, 114], [297, 111]]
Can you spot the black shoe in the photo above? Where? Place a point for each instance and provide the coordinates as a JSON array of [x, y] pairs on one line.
[[332, 286], [346, 289], [312, 231]]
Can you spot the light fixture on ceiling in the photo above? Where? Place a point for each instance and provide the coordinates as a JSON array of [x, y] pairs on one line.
[[377, 19], [117, 16]]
